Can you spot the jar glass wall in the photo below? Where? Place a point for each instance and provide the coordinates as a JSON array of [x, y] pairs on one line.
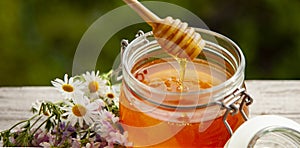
[[156, 111]]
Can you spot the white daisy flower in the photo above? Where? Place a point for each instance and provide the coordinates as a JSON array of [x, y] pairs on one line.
[[94, 84], [112, 94], [68, 87], [82, 110]]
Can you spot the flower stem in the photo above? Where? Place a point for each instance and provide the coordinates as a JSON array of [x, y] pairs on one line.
[[22, 122], [36, 121], [42, 124]]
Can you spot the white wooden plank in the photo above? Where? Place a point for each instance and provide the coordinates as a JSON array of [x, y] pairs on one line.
[[15, 102], [275, 97]]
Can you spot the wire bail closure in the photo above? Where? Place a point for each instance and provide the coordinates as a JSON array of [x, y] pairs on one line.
[[232, 105], [140, 37], [117, 75]]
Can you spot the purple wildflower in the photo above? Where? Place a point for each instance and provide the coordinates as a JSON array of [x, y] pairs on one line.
[[107, 128], [41, 136]]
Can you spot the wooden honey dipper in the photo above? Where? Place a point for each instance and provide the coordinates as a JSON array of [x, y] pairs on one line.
[[172, 35]]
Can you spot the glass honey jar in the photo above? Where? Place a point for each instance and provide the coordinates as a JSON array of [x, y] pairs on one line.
[[203, 110]]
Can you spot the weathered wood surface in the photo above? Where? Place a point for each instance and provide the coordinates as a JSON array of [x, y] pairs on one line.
[[15, 102], [275, 97], [271, 97]]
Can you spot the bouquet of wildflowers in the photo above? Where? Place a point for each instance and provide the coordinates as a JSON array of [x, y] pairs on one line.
[[86, 116]]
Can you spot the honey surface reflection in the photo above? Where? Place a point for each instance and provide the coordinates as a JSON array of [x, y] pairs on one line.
[[159, 125]]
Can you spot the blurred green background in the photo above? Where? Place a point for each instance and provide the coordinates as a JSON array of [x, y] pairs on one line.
[[38, 38]]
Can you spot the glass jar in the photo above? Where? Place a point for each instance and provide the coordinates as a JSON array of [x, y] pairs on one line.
[[211, 103]]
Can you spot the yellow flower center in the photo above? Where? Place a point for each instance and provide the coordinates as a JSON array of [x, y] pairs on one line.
[[110, 95], [78, 110], [68, 88], [93, 86]]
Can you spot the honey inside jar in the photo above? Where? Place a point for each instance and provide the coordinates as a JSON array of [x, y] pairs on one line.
[[166, 103], [174, 127]]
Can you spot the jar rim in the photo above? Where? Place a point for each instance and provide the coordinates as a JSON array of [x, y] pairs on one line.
[[238, 72], [255, 128]]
